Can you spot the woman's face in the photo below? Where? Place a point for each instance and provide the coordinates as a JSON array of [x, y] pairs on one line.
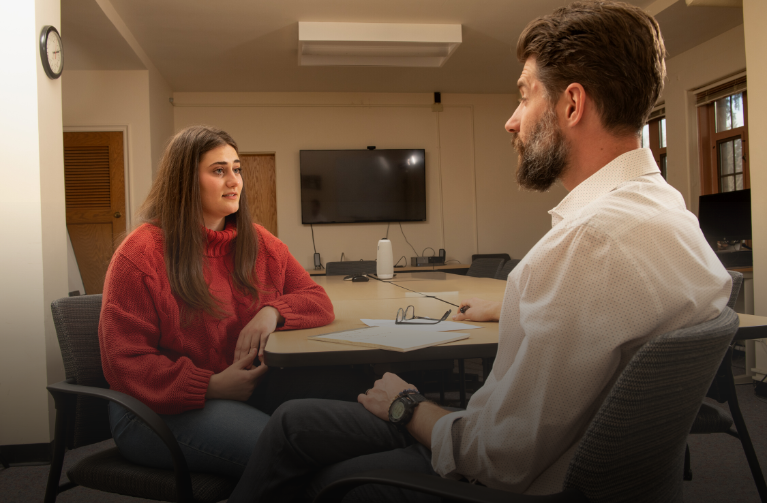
[[220, 185]]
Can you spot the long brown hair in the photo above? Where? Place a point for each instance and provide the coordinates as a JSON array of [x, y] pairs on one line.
[[174, 205], [613, 49]]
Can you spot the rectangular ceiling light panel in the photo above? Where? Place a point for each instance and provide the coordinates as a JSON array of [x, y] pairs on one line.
[[376, 44]]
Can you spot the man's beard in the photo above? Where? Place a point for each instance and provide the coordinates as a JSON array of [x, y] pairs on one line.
[[543, 157]]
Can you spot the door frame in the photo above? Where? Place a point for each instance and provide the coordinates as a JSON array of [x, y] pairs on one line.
[[126, 168]]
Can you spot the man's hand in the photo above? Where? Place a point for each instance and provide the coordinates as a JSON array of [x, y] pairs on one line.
[[237, 381], [479, 310], [255, 334], [378, 398]]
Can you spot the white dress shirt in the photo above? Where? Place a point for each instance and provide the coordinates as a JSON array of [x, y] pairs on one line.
[[623, 262]]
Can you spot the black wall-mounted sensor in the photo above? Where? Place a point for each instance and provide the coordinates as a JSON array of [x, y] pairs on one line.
[[437, 97], [371, 147]]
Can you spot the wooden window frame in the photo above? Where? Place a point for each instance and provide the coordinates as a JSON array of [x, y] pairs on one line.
[[708, 147], [658, 153]]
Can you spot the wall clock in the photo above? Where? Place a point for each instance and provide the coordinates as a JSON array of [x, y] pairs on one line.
[[50, 52]]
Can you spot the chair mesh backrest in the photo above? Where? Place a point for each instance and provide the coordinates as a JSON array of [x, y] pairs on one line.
[[77, 325], [737, 280], [350, 267], [504, 256], [504, 271], [485, 267], [633, 450]]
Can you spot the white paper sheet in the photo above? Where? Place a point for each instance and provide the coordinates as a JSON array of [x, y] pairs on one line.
[[393, 339], [442, 326]]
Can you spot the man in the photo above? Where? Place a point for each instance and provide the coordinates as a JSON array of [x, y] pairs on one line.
[[624, 262]]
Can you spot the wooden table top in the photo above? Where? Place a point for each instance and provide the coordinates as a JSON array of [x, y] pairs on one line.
[[381, 300]]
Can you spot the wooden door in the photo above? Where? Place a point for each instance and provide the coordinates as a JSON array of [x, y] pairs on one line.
[[95, 200], [259, 179]]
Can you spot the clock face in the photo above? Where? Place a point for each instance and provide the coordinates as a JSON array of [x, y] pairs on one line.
[[53, 50]]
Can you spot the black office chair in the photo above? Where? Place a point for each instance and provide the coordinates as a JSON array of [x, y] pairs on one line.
[[503, 273], [485, 267], [82, 419], [713, 419], [631, 452], [504, 256], [350, 267]]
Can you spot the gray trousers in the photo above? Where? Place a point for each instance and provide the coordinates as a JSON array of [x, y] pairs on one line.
[[308, 444]]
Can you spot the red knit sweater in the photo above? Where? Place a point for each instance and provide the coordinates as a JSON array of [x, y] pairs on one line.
[[147, 354]]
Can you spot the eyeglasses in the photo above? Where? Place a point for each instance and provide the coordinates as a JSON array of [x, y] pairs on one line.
[[407, 316]]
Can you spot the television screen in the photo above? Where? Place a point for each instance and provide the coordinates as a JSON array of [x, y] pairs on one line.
[[342, 186], [726, 216]]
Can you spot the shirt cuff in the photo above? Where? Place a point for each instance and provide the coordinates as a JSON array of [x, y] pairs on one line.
[[443, 445], [292, 320]]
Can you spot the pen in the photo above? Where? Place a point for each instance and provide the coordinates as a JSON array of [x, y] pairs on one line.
[[464, 309]]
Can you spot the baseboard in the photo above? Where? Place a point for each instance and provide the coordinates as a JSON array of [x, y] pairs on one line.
[[26, 453]]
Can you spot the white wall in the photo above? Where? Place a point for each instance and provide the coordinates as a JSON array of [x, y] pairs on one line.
[[160, 116], [34, 264], [755, 16], [110, 100], [709, 62], [465, 144]]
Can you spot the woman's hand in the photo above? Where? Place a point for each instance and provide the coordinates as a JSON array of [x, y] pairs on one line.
[[237, 381], [257, 331], [479, 310], [378, 399]]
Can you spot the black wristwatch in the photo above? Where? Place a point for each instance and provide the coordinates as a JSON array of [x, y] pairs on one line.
[[402, 408]]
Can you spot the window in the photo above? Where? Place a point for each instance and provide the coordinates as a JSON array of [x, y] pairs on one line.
[[723, 138], [654, 138]]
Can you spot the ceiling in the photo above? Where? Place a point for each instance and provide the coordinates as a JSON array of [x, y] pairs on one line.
[[252, 45]]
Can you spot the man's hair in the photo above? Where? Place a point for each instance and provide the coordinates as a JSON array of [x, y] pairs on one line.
[[174, 205], [613, 49]]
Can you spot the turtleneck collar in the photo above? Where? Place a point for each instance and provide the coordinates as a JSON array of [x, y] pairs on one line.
[[219, 241]]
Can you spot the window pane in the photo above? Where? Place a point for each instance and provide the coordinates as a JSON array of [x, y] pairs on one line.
[[738, 182], [662, 130], [646, 136], [725, 158], [723, 114], [737, 110], [738, 156], [727, 184]]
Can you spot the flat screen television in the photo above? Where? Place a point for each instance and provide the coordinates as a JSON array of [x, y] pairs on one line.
[[725, 216], [343, 186]]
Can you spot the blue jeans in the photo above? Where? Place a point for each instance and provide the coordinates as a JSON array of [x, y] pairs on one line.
[[220, 437]]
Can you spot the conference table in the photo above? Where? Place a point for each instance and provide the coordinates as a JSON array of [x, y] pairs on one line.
[[376, 299], [380, 300]]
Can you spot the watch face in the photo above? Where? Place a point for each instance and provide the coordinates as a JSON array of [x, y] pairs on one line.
[[397, 409], [53, 50]]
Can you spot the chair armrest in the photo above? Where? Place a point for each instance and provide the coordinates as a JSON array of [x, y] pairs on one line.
[[756, 332], [451, 490], [145, 414]]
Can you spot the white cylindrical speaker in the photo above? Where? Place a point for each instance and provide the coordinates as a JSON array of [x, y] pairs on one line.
[[384, 260]]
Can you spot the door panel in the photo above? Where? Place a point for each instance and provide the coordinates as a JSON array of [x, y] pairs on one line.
[[259, 179], [92, 244], [95, 201]]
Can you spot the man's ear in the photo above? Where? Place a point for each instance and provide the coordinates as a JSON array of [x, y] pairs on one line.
[[574, 103]]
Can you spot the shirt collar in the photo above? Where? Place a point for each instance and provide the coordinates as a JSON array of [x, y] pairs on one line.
[[625, 167]]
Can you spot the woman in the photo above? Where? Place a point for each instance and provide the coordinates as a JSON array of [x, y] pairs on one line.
[[190, 299]]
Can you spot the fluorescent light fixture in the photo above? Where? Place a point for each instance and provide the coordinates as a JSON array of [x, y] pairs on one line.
[[376, 44]]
